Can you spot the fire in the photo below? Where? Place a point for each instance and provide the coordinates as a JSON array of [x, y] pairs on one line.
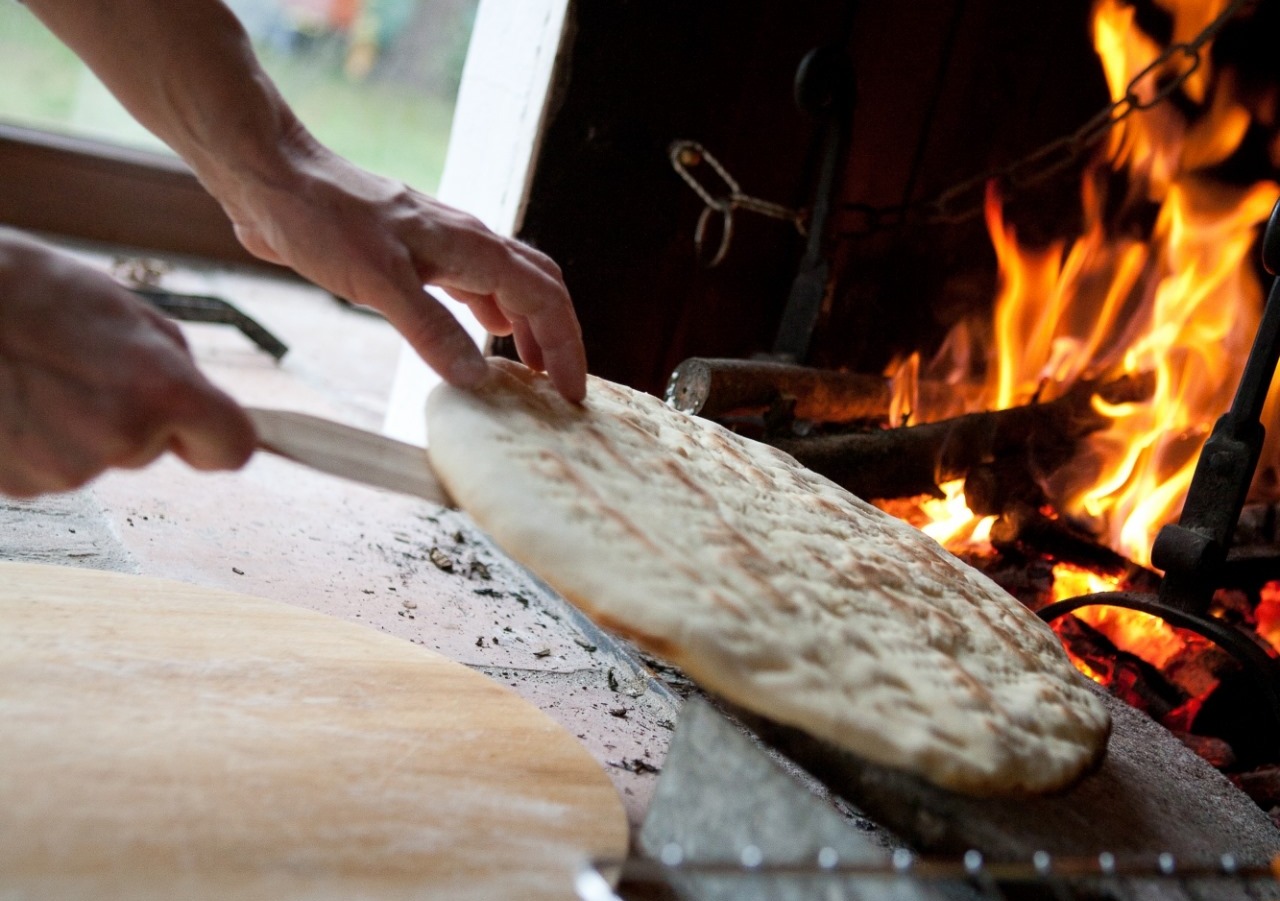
[[1171, 298], [1268, 614], [1195, 332], [1141, 634], [949, 520], [1073, 581], [1179, 304]]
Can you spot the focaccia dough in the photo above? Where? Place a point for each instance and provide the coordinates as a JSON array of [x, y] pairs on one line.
[[767, 583]]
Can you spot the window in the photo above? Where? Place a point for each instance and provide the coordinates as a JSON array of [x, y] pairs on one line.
[[376, 80]]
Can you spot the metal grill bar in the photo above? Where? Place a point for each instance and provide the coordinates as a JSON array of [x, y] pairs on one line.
[[1104, 876]]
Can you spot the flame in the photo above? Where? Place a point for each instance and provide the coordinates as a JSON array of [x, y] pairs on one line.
[[1180, 304], [1141, 634], [949, 520], [1196, 329], [1268, 614], [1070, 581], [1175, 301], [904, 390]]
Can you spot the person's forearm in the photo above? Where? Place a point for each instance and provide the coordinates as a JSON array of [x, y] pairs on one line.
[[187, 72]]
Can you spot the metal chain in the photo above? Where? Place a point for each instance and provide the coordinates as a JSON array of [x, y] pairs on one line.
[[722, 200], [963, 201]]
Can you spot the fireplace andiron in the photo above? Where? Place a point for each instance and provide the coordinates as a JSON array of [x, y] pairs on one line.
[[1193, 551]]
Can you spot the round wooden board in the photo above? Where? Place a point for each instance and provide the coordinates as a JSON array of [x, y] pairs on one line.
[[165, 741]]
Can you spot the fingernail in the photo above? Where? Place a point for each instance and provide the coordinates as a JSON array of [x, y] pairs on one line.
[[468, 371]]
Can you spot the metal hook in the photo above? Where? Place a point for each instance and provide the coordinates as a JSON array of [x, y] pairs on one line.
[[726, 235]]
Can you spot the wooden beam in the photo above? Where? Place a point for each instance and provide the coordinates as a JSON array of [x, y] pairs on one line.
[[99, 192]]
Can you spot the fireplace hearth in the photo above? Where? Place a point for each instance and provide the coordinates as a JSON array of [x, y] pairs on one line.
[[1039, 262]]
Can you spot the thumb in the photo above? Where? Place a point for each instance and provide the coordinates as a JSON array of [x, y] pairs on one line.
[[215, 433]]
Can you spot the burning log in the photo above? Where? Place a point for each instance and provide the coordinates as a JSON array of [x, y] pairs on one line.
[[1231, 712], [998, 487], [715, 388], [722, 388], [1254, 556], [1125, 675], [1033, 533], [1030, 579], [1249, 567], [910, 461]]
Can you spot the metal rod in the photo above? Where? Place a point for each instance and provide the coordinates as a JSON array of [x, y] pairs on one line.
[[1261, 668], [1041, 867], [203, 308], [1259, 369]]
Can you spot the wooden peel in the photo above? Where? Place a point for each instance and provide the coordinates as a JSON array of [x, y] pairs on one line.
[[349, 453], [163, 741]]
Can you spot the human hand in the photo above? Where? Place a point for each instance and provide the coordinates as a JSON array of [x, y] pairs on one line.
[[367, 239], [92, 378], [376, 242]]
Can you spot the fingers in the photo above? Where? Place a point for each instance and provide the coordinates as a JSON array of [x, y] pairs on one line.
[[536, 298], [549, 338], [486, 311], [171, 406], [376, 242], [183, 413], [70, 432], [560, 352], [527, 345], [44, 466], [63, 456], [527, 289], [213, 432], [92, 378], [431, 331]]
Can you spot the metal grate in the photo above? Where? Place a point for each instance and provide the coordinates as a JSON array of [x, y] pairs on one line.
[[905, 876]]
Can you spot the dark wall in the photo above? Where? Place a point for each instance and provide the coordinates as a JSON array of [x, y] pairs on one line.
[[605, 202], [947, 92], [946, 89]]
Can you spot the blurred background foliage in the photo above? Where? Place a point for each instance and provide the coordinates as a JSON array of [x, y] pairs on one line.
[[376, 80]]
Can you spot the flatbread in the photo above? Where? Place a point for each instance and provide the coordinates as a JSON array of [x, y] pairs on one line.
[[767, 583]]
